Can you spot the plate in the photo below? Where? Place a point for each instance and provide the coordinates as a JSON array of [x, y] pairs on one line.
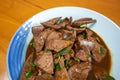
[[104, 27]]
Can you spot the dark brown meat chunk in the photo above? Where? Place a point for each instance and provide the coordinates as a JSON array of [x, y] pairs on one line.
[[78, 30], [32, 78], [89, 33], [54, 35], [83, 54], [61, 75], [77, 46], [81, 21], [98, 51], [63, 24], [66, 56], [36, 30], [45, 62], [57, 45], [50, 22], [27, 67], [97, 54], [45, 77], [40, 39], [72, 62], [38, 56], [69, 35], [79, 71]]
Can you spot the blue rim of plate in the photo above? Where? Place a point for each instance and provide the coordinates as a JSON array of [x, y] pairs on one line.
[[23, 31], [28, 23]]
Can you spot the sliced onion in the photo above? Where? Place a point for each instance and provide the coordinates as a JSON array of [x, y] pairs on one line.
[[65, 36], [89, 44]]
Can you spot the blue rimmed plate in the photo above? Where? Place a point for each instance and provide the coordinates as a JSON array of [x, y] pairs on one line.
[[106, 28]]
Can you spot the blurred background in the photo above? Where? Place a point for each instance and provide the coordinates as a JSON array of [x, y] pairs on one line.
[[14, 12]]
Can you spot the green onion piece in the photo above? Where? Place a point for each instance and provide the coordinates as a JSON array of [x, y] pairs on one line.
[[83, 35], [76, 59], [62, 52], [59, 58], [32, 44], [59, 21], [108, 77], [28, 74], [47, 51], [90, 55], [66, 64], [83, 25], [97, 39], [32, 64], [101, 50], [58, 67]]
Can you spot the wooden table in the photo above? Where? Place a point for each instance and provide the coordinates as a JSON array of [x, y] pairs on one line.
[[14, 12]]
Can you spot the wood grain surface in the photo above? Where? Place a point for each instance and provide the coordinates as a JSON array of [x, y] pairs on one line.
[[14, 12]]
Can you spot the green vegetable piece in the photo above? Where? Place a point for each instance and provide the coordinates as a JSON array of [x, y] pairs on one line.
[[76, 59], [62, 52], [83, 25], [91, 56], [108, 77], [32, 44], [58, 67], [59, 58], [66, 64], [28, 74], [101, 50], [83, 35], [47, 51], [32, 64], [59, 21]]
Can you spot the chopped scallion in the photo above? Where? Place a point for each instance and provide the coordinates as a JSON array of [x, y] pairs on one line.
[[83, 35], [59, 58], [66, 64], [59, 21], [32, 44], [101, 50], [32, 64], [108, 77], [90, 55], [76, 59], [47, 51], [28, 74], [58, 67], [62, 52], [83, 25]]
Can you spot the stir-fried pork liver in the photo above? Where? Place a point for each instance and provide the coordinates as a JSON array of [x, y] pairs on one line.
[[45, 62], [40, 39], [57, 45], [62, 75], [45, 77], [79, 71], [66, 50], [84, 54]]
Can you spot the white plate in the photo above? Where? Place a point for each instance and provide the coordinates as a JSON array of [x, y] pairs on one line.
[[106, 29]]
